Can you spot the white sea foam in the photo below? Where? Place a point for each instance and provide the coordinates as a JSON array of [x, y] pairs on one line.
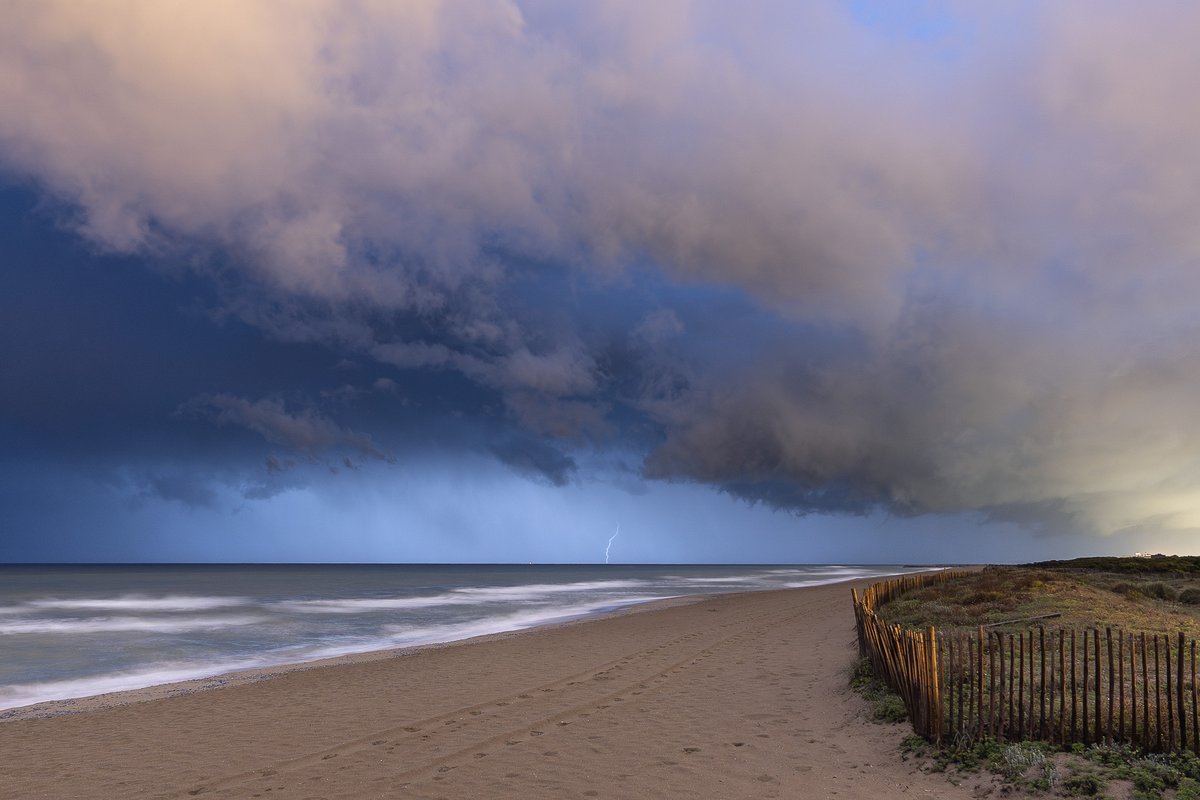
[[72, 625], [468, 595], [535, 589], [23, 694], [358, 605], [520, 620], [133, 602]]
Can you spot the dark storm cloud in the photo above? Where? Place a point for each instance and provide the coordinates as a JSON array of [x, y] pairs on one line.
[[187, 490], [305, 431], [537, 459], [946, 272]]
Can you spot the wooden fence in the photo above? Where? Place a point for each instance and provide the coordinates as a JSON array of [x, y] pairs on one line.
[[1061, 685]]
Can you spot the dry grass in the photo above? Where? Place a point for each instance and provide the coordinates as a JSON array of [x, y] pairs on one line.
[[1153, 602]]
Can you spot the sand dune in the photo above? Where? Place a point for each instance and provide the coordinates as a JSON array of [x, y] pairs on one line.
[[731, 696]]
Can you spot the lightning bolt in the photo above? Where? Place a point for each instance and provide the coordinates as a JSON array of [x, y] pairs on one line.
[[608, 546]]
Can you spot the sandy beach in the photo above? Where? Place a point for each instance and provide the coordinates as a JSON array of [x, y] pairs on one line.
[[730, 696]]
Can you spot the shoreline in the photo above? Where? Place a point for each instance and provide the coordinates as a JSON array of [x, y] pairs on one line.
[[81, 705], [731, 695], [219, 678]]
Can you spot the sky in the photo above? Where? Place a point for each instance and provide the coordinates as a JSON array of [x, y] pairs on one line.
[[835, 281]]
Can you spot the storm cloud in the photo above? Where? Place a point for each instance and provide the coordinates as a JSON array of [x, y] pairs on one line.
[[937, 265]]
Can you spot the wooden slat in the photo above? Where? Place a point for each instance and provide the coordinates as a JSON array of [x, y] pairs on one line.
[[1195, 714], [1121, 684], [1062, 688], [1042, 687], [960, 679], [1179, 693], [1170, 695], [1031, 685], [1074, 705], [1108, 720], [1157, 700], [1133, 733], [1012, 656], [991, 686], [979, 682], [1021, 688], [1099, 713], [1145, 697]]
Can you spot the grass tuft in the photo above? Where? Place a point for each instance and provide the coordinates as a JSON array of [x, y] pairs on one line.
[[886, 705]]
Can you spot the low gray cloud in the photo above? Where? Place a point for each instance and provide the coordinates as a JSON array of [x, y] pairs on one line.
[[534, 458], [191, 491], [305, 431]]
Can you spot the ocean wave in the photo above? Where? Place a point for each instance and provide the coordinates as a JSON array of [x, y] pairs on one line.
[[125, 624], [23, 694], [133, 602], [467, 595], [358, 605], [533, 589], [520, 620]]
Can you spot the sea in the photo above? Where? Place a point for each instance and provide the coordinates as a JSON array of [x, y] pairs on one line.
[[77, 631]]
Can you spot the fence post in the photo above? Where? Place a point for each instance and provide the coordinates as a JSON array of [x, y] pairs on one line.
[[1121, 680], [1108, 722], [1042, 688], [1170, 695], [992, 700], [935, 695], [1062, 687], [1133, 690], [1096, 647], [1087, 729], [1021, 689], [979, 673], [1145, 697], [1195, 716], [1074, 703], [1012, 655], [1157, 700], [1179, 694]]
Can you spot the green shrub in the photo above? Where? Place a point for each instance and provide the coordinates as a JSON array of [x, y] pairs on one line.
[[890, 708], [1158, 590], [1189, 789], [1190, 596], [1086, 785], [886, 705]]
